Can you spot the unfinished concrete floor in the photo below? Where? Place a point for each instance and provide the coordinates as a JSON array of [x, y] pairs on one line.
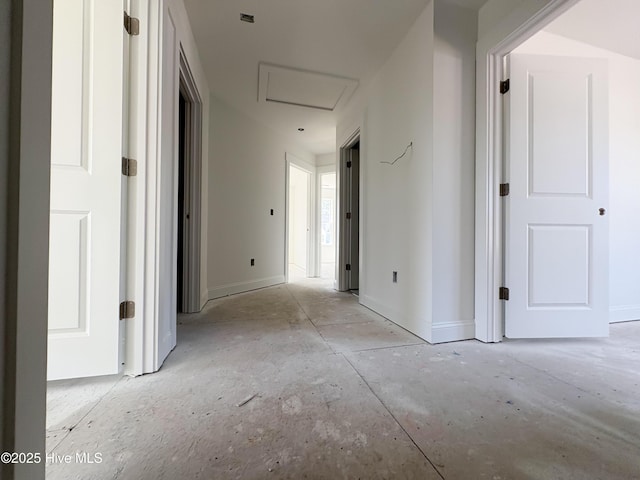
[[342, 393]]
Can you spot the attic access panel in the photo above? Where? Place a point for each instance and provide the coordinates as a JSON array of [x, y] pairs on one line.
[[303, 88]]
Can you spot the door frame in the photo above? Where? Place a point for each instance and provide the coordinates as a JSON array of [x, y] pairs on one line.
[[25, 152], [342, 189], [312, 250], [491, 51], [193, 183]]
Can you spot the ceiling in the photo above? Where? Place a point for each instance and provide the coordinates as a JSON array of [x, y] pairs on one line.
[[611, 25], [348, 39]]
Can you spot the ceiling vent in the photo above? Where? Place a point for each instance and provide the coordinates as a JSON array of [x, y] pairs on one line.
[[303, 88], [245, 17]]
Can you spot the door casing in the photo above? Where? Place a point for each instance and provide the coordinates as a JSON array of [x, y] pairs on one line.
[[343, 234], [193, 190]]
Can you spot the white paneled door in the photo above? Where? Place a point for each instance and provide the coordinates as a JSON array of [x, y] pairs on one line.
[[557, 235], [86, 189]]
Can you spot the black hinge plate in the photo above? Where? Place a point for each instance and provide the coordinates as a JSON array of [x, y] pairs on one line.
[[349, 164], [348, 267], [504, 189], [348, 215], [504, 293], [131, 24], [504, 86], [127, 310], [129, 167]]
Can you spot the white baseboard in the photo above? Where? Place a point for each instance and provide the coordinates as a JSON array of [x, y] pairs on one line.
[[624, 313], [453, 331], [437, 333], [241, 287]]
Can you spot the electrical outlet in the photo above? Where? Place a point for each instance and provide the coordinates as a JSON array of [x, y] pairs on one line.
[[395, 277], [253, 262]]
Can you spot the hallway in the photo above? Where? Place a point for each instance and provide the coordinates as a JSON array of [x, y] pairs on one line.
[[335, 391]]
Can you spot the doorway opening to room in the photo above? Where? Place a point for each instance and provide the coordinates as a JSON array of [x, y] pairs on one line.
[[349, 215], [299, 222], [183, 216], [567, 130], [189, 166], [328, 228]]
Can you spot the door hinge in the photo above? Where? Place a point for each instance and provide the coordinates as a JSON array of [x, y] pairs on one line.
[[131, 24], [349, 164], [504, 86], [127, 310], [504, 189], [504, 293], [348, 215], [348, 267], [129, 167]]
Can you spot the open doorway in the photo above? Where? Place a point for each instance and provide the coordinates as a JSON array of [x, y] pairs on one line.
[[189, 207], [612, 47], [587, 279], [328, 225], [299, 223], [348, 266], [182, 215]]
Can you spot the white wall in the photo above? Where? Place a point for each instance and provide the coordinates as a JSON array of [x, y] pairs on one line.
[[453, 172], [496, 15], [624, 165], [396, 207], [325, 160], [417, 216], [246, 180]]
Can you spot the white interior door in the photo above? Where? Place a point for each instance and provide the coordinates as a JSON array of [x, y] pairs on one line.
[[557, 236], [86, 189], [299, 221], [167, 208]]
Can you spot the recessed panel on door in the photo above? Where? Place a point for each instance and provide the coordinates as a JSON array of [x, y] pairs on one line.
[[71, 99], [559, 266], [559, 133], [69, 241]]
